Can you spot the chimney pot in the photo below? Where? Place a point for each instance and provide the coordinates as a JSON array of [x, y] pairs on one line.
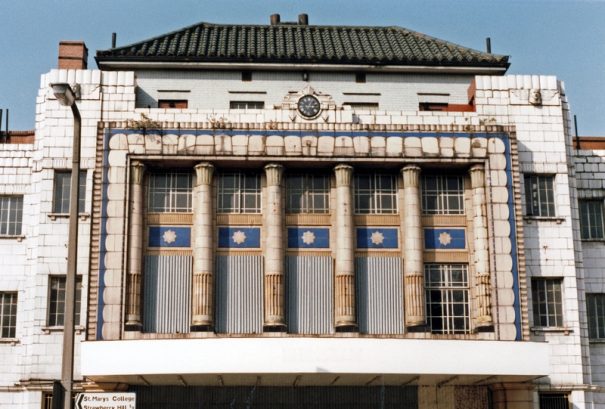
[[73, 55], [275, 19], [303, 19]]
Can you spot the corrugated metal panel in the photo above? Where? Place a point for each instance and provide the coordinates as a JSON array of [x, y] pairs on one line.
[[261, 397], [310, 294], [380, 294], [167, 294], [239, 299]]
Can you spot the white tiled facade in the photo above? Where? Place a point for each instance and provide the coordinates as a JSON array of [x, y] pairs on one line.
[[450, 371]]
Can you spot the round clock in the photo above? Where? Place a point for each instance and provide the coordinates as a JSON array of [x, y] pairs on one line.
[[309, 106]]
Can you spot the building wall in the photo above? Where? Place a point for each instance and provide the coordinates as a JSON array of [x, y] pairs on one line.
[[215, 89]]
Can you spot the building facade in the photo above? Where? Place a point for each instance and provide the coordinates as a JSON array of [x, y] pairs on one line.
[[297, 215]]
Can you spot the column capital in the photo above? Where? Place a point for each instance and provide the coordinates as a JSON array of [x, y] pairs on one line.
[[274, 172], [411, 175], [137, 170], [477, 175], [343, 174], [203, 173]]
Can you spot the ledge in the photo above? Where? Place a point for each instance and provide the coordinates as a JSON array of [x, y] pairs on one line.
[[530, 219], [55, 216], [59, 328], [560, 330], [18, 237], [12, 341]]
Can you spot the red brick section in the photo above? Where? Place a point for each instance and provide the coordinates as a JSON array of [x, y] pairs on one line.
[[589, 142], [15, 137], [471, 92], [73, 55]]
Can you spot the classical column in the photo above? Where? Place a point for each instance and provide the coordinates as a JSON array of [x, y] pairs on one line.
[[202, 311], [483, 299], [275, 317], [135, 247], [413, 267], [344, 302]]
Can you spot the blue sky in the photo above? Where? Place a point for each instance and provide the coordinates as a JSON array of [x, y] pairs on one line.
[[565, 38]]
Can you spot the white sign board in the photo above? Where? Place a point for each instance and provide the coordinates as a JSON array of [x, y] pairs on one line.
[[106, 400]]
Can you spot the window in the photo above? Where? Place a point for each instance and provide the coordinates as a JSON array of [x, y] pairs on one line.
[[547, 302], [8, 314], [442, 194], [246, 76], [595, 306], [62, 192], [375, 194], [11, 215], [247, 105], [307, 194], [447, 298], [239, 193], [539, 195], [433, 106], [56, 304], [170, 192], [362, 106], [591, 219], [173, 103], [360, 77], [554, 401]]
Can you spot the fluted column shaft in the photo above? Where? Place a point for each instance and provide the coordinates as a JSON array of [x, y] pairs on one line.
[[135, 247], [275, 318], [344, 308], [482, 304], [202, 297], [413, 268]]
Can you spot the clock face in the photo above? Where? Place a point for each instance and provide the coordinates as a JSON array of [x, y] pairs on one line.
[[309, 106]]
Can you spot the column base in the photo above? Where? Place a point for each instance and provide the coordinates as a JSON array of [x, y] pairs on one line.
[[347, 328], [133, 327], [275, 328], [202, 328]]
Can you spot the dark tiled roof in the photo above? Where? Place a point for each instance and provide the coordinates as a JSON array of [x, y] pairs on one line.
[[301, 44]]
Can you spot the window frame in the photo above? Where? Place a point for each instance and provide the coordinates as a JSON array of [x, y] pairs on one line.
[[375, 193], [533, 209], [442, 195], [239, 193], [171, 190], [595, 314], [6, 221], [9, 301], [309, 193], [448, 290], [591, 221], [247, 104], [62, 192], [55, 312], [558, 314]]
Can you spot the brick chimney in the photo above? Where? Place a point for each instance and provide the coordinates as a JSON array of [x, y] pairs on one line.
[[73, 55]]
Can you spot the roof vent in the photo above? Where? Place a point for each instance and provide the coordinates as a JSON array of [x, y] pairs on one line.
[[274, 19], [303, 19]]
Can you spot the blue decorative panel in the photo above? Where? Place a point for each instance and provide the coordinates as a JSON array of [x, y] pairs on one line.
[[169, 236], [377, 238], [308, 238], [444, 239], [239, 237]]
